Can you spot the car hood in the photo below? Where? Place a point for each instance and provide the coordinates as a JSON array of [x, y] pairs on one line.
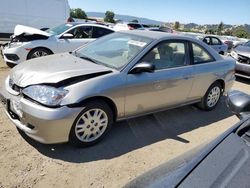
[[243, 50], [55, 68], [21, 29]]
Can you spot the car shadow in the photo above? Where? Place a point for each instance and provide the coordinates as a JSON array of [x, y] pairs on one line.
[[242, 80], [126, 136]]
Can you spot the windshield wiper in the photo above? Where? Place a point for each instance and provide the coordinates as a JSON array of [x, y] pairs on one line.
[[88, 59]]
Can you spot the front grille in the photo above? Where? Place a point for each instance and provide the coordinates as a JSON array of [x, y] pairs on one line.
[[243, 59]]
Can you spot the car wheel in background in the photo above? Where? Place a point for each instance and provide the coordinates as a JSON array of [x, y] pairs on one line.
[[38, 52], [91, 125], [212, 97], [221, 53], [11, 65]]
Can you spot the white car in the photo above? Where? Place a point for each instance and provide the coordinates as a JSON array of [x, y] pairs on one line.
[[28, 43], [128, 26], [215, 43]]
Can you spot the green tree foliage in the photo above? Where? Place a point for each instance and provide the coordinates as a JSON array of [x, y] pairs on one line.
[[78, 13], [135, 21], [210, 31], [241, 33], [220, 28], [177, 25], [109, 17]]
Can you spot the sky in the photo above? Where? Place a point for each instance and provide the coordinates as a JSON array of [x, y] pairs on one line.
[[184, 11]]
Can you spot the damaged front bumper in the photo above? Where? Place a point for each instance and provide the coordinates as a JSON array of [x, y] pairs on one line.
[[43, 124]]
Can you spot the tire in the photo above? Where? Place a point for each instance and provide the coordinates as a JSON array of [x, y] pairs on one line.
[[212, 97], [38, 52], [84, 131], [11, 65], [221, 53]]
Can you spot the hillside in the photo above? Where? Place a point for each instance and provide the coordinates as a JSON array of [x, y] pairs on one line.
[[126, 18]]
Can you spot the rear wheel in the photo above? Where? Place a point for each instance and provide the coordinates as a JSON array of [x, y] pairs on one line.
[[92, 124], [38, 52], [212, 97]]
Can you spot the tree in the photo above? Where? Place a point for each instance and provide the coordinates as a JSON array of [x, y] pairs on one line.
[[78, 13], [220, 28], [135, 21], [210, 31], [176, 25], [241, 33], [109, 17]]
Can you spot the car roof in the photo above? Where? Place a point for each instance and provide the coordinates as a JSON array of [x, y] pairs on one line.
[[157, 35], [89, 23]]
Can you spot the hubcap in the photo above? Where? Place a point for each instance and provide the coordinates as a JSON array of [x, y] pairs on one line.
[[39, 53], [91, 125], [213, 96]]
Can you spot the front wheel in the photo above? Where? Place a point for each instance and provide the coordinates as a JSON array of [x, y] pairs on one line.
[[212, 97], [38, 52], [92, 124]]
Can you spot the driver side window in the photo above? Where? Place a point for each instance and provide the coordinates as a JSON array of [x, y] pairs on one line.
[[166, 55], [81, 32]]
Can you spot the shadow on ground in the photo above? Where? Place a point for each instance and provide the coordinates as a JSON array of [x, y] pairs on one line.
[[136, 133], [243, 80]]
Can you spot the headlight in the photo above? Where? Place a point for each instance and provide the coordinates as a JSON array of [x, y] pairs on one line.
[[234, 55], [46, 95], [15, 44]]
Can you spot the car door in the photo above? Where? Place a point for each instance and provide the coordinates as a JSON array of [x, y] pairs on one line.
[[205, 67], [168, 85], [81, 35]]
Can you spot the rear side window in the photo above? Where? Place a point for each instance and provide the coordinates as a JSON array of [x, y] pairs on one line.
[[81, 32], [200, 55], [99, 32]]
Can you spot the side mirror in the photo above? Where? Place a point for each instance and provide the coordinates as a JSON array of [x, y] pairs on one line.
[[142, 67], [239, 103], [67, 36]]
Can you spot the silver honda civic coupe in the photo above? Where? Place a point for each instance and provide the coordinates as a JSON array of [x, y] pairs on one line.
[[76, 97]]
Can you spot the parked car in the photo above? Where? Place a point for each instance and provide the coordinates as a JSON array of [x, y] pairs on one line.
[[28, 43], [33, 13], [216, 44], [119, 76], [161, 29], [224, 162], [128, 26], [241, 53]]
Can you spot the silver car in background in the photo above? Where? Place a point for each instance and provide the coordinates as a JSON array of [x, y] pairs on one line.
[[241, 53], [77, 96]]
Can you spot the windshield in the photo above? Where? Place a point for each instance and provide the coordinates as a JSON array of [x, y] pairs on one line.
[[114, 50], [59, 29]]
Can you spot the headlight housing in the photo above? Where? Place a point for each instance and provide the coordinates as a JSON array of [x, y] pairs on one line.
[[47, 95], [234, 55]]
